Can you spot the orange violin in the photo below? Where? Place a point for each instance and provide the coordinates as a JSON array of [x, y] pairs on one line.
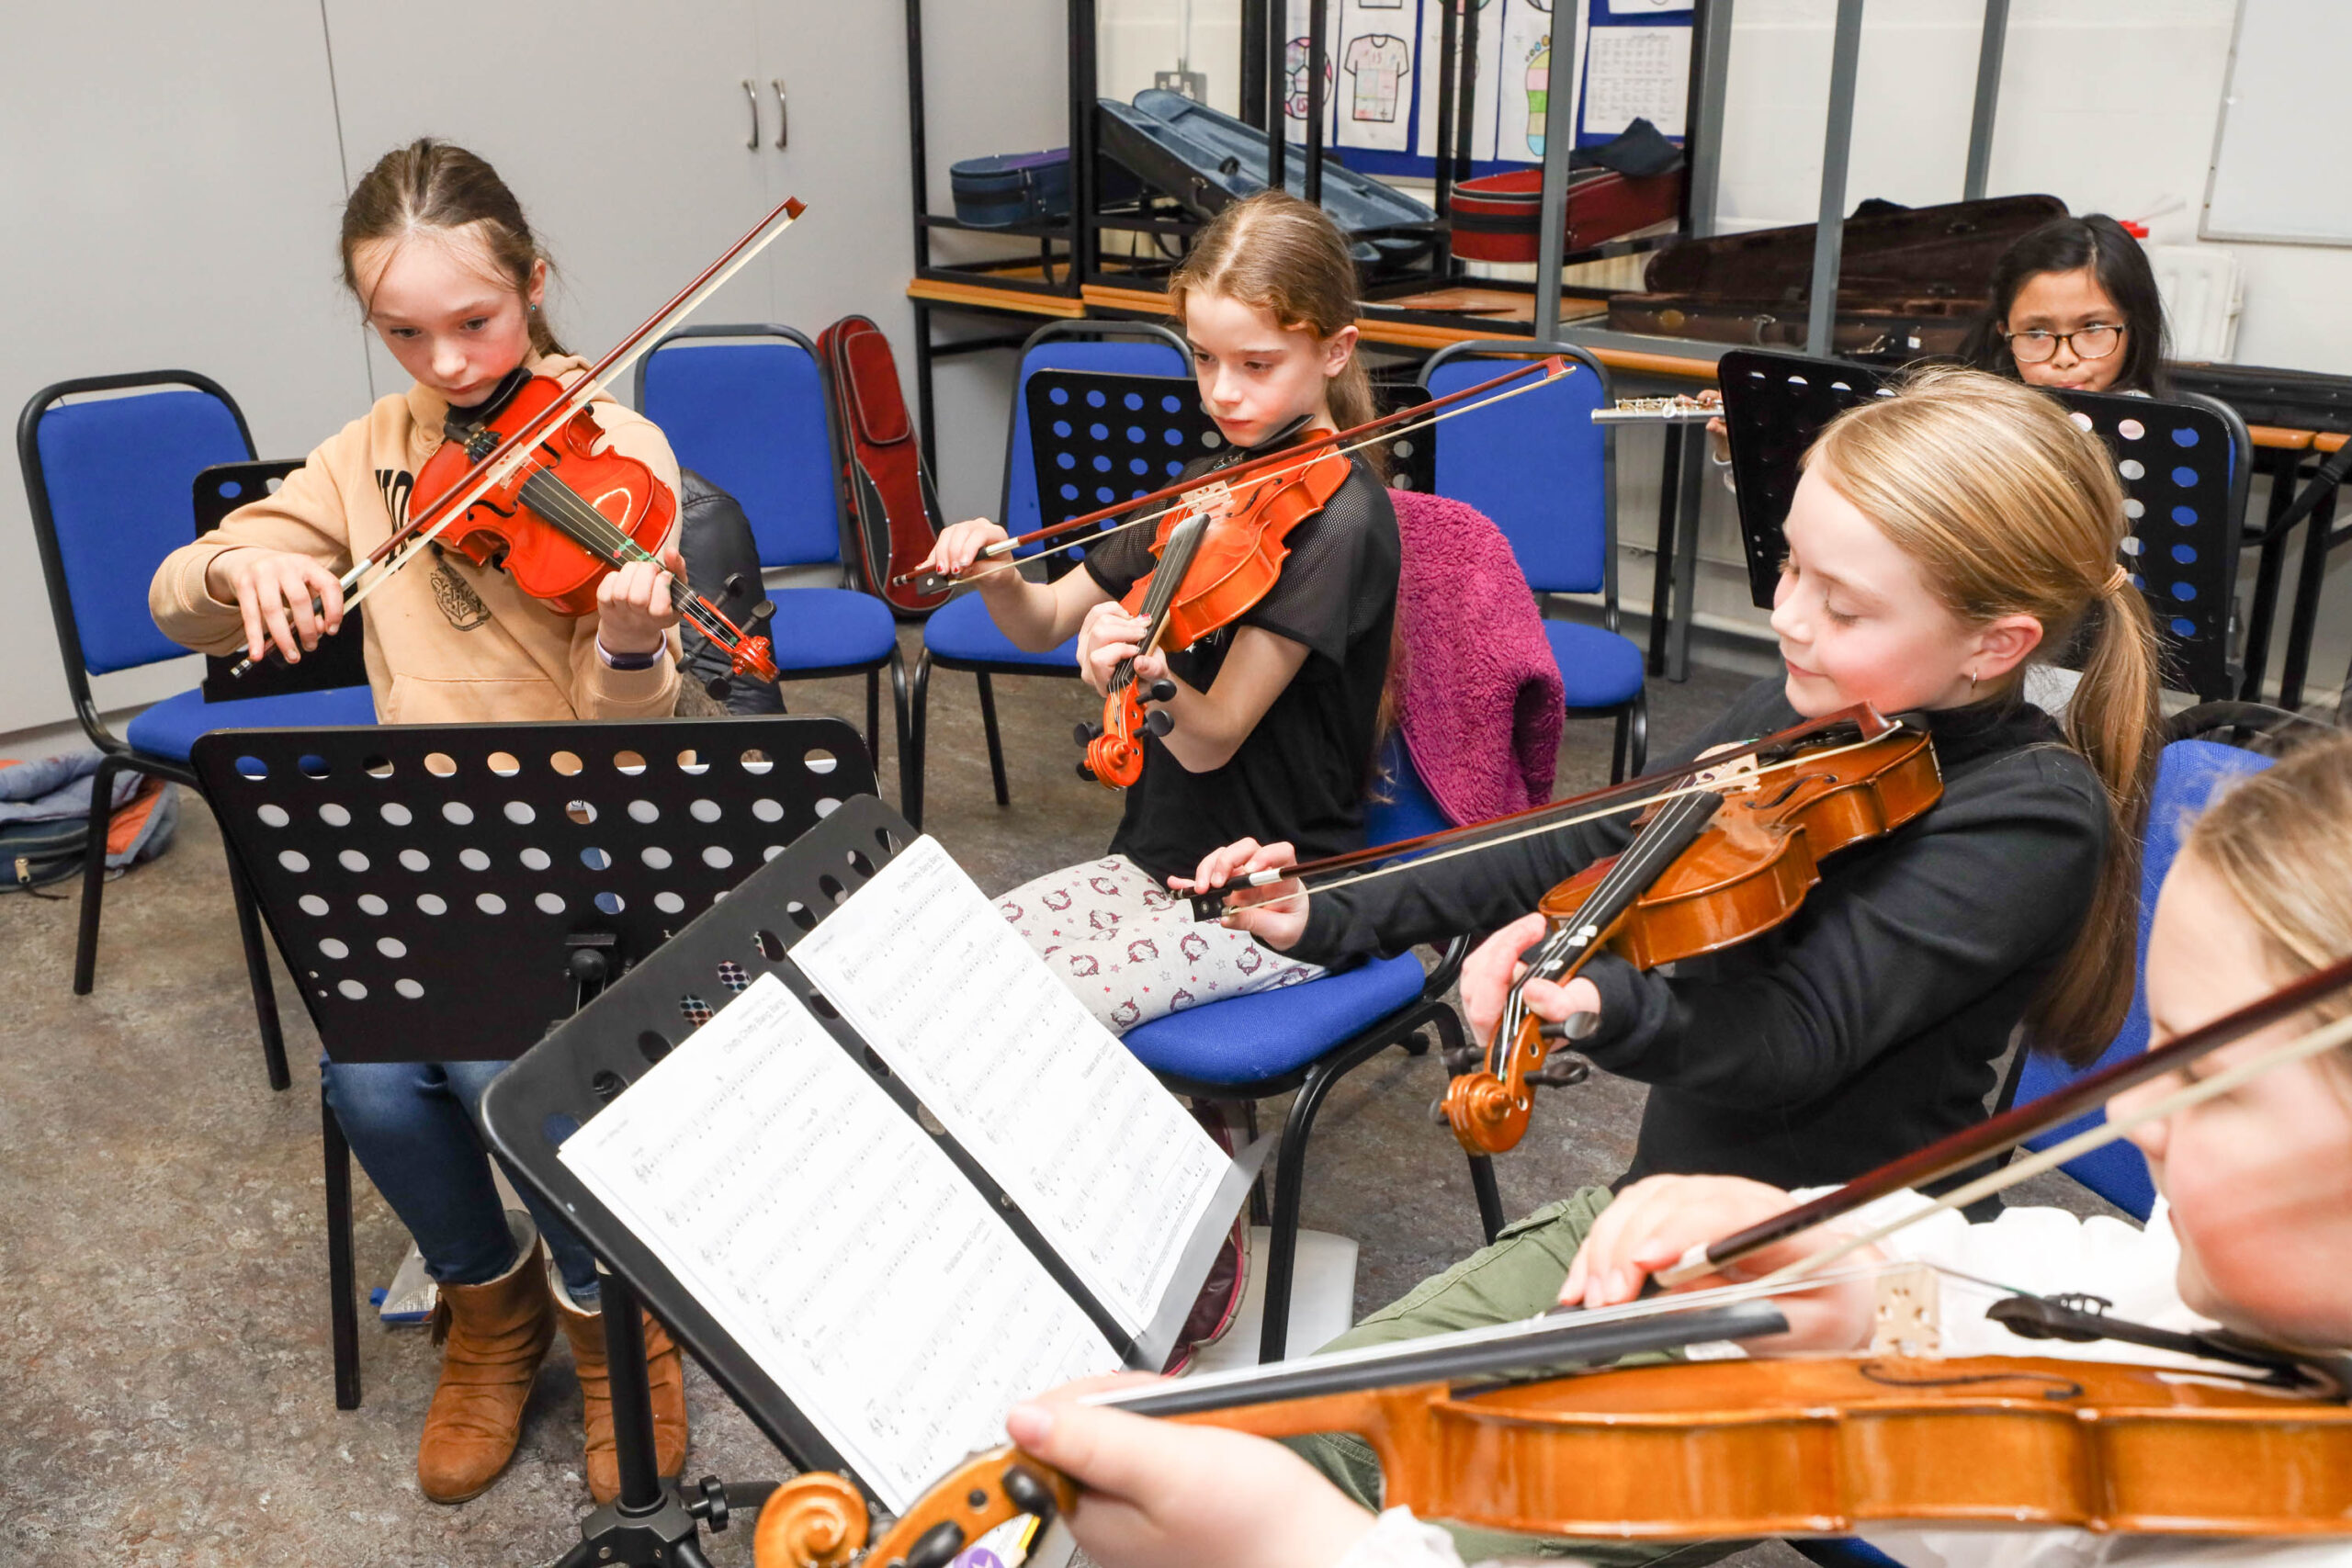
[[1218, 556]]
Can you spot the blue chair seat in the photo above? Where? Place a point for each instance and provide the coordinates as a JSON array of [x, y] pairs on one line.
[[169, 728], [961, 632], [829, 629], [1268, 1033], [1600, 669]]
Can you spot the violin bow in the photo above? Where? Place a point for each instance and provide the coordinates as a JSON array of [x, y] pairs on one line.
[[1610, 800], [1253, 472], [403, 543], [1963, 1149]]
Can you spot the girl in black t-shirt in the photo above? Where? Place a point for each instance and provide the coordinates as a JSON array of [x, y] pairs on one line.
[[1277, 716]]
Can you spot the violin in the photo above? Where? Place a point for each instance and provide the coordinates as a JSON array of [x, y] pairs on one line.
[[1797, 1446], [574, 512], [1217, 558], [542, 431], [1729, 859]]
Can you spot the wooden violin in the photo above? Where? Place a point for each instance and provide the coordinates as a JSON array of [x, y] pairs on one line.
[[573, 513], [1217, 558], [1795, 1446], [543, 429], [1726, 860]]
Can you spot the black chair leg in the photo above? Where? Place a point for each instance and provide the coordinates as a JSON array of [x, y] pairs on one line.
[[1290, 1187], [343, 1273], [873, 719], [273, 1039], [996, 742], [906, 741], [910, 766], [94, 874]]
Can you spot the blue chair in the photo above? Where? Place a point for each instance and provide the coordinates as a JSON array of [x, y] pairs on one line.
[[110, 480], [1547, 475], [2189, 772], [751, 414], [959, 635], [1308, 1037]]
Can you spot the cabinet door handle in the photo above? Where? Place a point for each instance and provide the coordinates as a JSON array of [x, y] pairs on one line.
[[777, 83], [751, 97]]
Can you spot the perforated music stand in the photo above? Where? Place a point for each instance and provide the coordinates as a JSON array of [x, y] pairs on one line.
[[338, 660], [2184, 495], [1097, 438], [562, 1083]]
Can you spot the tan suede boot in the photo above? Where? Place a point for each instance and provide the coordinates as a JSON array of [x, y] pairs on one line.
[[492, 1337], [665, 1374]]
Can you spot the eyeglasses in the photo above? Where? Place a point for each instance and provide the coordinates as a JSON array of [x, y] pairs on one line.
[[2094, 342]]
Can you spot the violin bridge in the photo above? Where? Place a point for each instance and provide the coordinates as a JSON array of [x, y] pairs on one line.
[[1213, 499], [1907, 1319]]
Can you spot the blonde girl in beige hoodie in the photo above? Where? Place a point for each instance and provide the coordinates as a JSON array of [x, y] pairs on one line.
[[437, 251]]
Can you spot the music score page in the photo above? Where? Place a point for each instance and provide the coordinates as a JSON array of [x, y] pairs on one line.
[[1114, 1172], [832, 1238]]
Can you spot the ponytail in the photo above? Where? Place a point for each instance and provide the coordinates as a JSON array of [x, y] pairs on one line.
[[2008, 509]]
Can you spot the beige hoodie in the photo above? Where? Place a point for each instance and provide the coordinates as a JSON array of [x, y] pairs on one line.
[[447, 641]]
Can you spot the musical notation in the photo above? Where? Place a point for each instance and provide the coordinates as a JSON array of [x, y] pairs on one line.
[[1111, 1169], [828, 1236]]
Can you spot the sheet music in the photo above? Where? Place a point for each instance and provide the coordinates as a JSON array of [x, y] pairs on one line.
[[1637, 73], [1111, 1169], [834, 1241]]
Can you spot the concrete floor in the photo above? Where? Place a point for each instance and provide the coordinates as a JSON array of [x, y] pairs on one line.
[[165, 1386]]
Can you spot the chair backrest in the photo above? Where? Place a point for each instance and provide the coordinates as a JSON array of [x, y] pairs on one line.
[[753, 417], [1537, 464], [110, 481], [2185, 779], [1138, 348]]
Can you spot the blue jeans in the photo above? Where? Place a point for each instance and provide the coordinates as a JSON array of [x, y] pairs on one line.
[[412, 1126]]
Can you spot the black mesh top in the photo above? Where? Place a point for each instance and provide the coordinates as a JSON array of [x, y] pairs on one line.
[[1302, 773]]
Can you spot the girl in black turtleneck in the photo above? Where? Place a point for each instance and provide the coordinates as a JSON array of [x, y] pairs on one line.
[[1940, 540]]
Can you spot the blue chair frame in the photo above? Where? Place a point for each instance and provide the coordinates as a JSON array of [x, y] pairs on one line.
[[836, 457], [116, 755], [1630, 751], [1019, 472], [1390, 818]]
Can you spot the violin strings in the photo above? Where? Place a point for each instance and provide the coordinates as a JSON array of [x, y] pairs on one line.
[[1278, 471], [2316, 1041], [1432, 857]]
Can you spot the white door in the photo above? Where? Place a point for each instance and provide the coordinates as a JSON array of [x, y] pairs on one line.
[[624, 128], [171, 187]]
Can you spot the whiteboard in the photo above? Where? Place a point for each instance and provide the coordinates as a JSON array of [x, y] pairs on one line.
[[2284, 115]]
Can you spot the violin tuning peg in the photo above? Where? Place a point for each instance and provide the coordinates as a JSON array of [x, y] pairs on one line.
[[1086, 773], [1159, 721], [1577, 1026], [1162, 691], [734, 585], [1086, 734], [762, 611], [718, 686], [1437, 1110]]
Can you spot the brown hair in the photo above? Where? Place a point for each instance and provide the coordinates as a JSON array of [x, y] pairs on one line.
[[2281, 842], [2010, 509], [434, 185], [1287, 258]]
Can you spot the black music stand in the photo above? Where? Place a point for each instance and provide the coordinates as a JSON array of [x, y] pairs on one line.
[[398, 953], [584, 1065], [1098, 438], [2185, 468], [337, 661]]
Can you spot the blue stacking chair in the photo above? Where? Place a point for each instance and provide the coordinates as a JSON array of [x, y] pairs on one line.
[[1308, 1037], [959, 635], [751, 415], [2191, 771], [1547, 475], [110, 483]]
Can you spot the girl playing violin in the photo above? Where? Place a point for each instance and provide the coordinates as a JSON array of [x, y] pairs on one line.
[[1940, 542], [1276, 717], [449, 274], [2251, 1231]]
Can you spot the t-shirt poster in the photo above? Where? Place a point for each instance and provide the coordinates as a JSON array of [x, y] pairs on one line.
[[1381, 87]]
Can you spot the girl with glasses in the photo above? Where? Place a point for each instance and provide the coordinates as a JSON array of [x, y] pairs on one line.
[[2074, 307]]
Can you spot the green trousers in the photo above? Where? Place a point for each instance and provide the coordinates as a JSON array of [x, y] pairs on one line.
[[1517, 1276]]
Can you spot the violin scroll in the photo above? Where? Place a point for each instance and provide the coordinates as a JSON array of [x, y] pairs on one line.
[[818, 1521]]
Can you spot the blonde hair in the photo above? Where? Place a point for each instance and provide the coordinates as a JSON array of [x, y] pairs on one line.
[[1274, 251], [2008, 509], [2281, 842], [437, 184]]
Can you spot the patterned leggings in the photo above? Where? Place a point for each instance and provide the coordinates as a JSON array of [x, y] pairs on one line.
[[1131, 949]]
